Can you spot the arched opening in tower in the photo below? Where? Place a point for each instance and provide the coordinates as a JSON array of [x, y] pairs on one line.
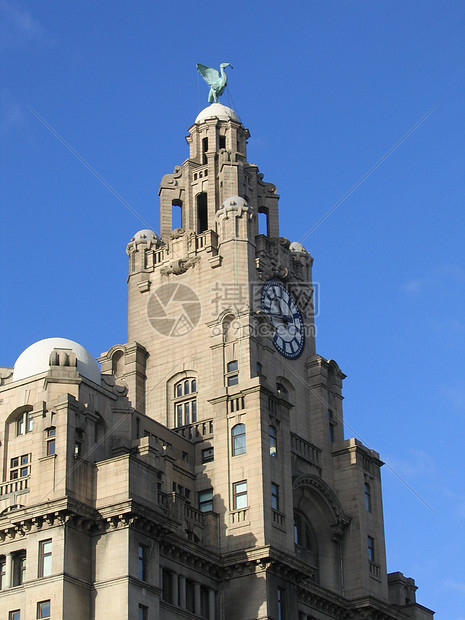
[[176, 214], [202, 216]]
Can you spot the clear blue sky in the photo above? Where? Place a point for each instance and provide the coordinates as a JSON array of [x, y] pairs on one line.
[[326, 89]]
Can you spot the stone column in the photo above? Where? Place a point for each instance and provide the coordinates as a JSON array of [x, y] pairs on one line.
[[174, 589], [211, 604], [182, 591], [197, 602], [8, 569]]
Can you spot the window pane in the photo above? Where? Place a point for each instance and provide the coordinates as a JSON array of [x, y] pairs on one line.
[[179, 415], [187, 416], [239, 445], [232, 366], [43, 609], [2, 572], [178, 389], [50, 447], [186, 387], [142, 559], [206, 500], [194, 385], [233, 380], [273, 441], [240, 495], [194, 411], [274, 496]]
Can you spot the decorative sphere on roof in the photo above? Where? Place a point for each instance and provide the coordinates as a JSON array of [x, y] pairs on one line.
[[297, 247], [36, 359], [219, 111], [146, 235], [234, 202]]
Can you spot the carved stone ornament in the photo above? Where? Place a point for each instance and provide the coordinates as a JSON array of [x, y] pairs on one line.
[[178, 266]]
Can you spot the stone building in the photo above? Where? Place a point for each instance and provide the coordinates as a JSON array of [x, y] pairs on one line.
[[202, 470]]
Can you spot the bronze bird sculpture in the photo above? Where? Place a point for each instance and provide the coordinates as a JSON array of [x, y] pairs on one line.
[[216, 81]]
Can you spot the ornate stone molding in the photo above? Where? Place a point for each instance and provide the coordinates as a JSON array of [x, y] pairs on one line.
[[180, 265], [341, 519]]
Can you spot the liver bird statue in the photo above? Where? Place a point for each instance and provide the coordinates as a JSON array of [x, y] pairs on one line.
[[216, 81]]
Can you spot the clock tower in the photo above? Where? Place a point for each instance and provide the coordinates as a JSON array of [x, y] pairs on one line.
[[222, 352]]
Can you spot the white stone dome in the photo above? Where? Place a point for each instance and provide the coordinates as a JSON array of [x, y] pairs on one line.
[[219, 111], [234, 202], [297, 247], [146, 234], [36, 359]]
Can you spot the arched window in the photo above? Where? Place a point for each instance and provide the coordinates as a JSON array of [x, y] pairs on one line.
[[118, 364], [305, 539], [238, 439], [185, 402], [282, 390], [24, 423], [273, 441]]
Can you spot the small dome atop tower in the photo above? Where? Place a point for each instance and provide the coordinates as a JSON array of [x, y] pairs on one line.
[[219, 111]]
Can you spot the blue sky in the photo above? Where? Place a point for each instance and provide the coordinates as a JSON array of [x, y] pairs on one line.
[[326, 89]]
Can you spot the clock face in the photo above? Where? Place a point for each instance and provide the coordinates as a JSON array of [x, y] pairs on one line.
[[289, 336]]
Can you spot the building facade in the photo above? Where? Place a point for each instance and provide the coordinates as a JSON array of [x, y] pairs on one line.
[[202, 470]]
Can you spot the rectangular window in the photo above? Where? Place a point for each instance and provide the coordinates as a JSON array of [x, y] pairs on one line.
[[45, 558], [194, 411], [206, 500], [20, 466], [274, 496], [331, 426], [143, 612], [232, 379], [179, 415], [167, 592], [208, 455], [371, 548], [50, 440], [190, 595], [43, 609], [142, 562], [273, 441], [14, 615], [367, 497], [18, 568], [2, 572], [281, 605], [240, 495], [204, 602]]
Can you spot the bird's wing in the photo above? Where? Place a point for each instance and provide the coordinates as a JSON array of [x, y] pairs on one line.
[[209, 75]]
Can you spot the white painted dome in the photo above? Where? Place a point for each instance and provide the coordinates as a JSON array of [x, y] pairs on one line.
[[234, 202], [297, 247], [219, 111], [36, 359], [146, 234]]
